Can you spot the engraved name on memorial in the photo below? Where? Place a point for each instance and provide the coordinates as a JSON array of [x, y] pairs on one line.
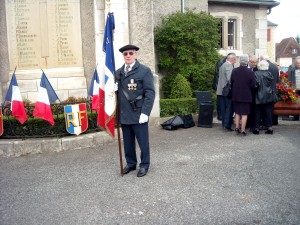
[[44, 33]]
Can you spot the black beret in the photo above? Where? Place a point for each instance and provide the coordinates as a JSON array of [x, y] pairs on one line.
[[129, 47]]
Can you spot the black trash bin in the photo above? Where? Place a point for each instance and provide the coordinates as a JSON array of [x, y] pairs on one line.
[[206, 109]]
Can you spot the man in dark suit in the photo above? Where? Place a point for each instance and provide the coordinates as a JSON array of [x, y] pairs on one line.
[[253, 60], [136, 95]]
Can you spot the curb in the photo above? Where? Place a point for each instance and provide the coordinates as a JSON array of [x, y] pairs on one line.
[[16, 147], [19, 147]]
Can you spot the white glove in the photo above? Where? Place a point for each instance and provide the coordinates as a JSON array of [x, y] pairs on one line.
[[143, 118], [116, 87]]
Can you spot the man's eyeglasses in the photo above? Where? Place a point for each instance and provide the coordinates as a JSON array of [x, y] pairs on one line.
[[126, 53]]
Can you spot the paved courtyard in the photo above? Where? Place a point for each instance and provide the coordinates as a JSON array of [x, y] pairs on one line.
[[197, 176]]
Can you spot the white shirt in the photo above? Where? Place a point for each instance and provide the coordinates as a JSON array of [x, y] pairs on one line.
[[130, 68]]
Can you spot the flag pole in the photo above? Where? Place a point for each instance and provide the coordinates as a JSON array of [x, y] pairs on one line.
[[117, 115], [119, 136], [117, 100], [117, 111]]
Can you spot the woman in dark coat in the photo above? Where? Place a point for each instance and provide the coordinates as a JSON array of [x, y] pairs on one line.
[[242, 81], [265, 96]]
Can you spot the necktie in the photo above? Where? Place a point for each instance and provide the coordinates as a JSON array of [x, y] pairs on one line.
[[127, 69]]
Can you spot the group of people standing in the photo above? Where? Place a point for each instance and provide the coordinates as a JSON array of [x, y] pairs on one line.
[[252, 96]]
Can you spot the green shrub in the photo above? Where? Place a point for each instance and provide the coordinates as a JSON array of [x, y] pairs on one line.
[[186, 43], [41, 127], [181, 106], [180, 88]]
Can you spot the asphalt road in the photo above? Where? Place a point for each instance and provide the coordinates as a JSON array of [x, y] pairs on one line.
[[197, 176]]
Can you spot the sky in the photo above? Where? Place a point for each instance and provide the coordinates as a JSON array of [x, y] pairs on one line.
[[287, 17]]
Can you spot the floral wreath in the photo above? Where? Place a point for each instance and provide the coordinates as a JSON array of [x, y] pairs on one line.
[[286, 91]]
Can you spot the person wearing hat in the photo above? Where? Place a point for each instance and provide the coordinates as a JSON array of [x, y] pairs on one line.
[[136, 95]]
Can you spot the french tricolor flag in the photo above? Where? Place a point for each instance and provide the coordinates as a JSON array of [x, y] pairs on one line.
[[107, 103], [13, 96], [94, 90], [46, 95]]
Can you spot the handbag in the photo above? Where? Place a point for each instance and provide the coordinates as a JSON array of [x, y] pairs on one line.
[[180, 121], [173, 123], [188, 121], [227, 90]]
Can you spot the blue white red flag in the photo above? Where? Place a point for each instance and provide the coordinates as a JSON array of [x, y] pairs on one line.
[[76, 118], [13, 96], [94, 90], [106, 116], [46, 96]]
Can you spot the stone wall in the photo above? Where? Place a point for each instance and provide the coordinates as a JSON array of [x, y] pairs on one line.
[[163, 8], [4, 62], [44, 40], [88, 38]]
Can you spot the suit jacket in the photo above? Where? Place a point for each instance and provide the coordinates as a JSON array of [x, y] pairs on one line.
[[224, 76], [242, 81], [291, 74], [138, 82], [217, 68], [275, 73]]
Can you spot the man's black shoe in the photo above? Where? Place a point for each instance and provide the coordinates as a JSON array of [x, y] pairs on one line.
[[142, 172], [262, 127], [127, 169], [229, 129]]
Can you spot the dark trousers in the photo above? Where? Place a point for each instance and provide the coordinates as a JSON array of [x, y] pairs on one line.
[[251, 117], [265, 110], [139, 132], [219, 114], [226, 111]]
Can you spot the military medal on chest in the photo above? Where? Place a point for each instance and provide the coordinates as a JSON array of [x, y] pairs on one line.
[[132, 86]]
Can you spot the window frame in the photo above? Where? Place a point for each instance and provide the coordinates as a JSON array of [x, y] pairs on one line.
[[225, 17]]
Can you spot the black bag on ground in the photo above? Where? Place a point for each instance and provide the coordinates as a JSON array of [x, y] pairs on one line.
[[188, 121], [173, 123], [180, 121]]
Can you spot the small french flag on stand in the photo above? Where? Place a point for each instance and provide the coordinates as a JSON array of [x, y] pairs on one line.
[[13, 96], [46, 96], [94, 90]]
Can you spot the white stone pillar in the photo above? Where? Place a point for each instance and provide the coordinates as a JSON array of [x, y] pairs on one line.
[[261, 32], [121, 32]]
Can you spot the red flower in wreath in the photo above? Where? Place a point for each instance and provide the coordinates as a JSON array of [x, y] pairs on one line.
[[286, 91]]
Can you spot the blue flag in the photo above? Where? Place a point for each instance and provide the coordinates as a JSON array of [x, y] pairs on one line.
[[107, 100]]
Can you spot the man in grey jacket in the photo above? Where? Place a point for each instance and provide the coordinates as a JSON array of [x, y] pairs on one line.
[[225, 101], [136, 95]]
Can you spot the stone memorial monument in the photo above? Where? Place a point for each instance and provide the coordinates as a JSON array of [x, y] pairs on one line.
[[64, 38]]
